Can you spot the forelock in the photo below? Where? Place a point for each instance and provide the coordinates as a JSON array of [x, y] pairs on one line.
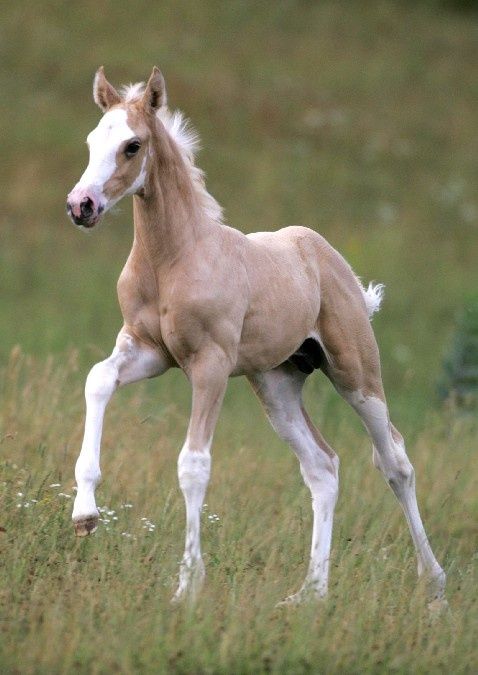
[[132, 92]]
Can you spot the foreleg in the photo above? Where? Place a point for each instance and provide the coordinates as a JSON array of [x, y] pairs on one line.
[[130, 361], [208, 376]]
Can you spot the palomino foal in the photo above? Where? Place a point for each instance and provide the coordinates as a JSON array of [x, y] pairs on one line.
[[201, 296]]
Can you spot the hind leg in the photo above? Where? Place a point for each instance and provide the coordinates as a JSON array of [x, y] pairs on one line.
[[280, 391], [354, 369], [390, 457]]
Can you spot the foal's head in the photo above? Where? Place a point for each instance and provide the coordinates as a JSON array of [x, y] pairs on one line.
[[119, 149]]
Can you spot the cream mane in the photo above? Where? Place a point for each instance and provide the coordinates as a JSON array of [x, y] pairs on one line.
[[187, 141]]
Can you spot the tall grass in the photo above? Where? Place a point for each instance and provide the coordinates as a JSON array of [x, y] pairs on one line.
[[102, 604]]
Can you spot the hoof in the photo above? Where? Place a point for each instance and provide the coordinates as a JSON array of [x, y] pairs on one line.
[[186, 597], [85, 526], [436, 587], [437, 608], [178, 598], [191, 581], [302, 597], [291, 601]]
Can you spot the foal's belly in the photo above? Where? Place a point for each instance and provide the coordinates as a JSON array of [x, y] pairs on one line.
[[276, 326], [264, 351], [285, 299]]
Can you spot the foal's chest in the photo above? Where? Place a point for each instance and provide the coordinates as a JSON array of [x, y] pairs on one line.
[[139, 301]]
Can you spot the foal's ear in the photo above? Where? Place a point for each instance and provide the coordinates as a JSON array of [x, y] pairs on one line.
[[104, 94], [154, 96]]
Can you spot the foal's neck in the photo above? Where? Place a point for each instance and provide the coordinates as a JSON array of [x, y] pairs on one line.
[[168, 219]]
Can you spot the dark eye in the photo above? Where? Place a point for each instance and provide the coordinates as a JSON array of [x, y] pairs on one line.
[[132, 148]]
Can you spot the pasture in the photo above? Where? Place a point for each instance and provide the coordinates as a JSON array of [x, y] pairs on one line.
[[359, 122]]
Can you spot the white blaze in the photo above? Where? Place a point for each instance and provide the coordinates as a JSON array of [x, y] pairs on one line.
[[104, 143]]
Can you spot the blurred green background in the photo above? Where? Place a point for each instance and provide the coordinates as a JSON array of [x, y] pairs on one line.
[[358, 119]]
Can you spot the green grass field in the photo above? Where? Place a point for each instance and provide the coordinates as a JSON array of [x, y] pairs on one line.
[[357, 119]]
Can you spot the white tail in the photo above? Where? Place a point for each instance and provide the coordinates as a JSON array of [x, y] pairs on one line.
[[373, 297]]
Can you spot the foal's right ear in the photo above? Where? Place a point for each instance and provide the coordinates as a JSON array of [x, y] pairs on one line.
[[104, 94]]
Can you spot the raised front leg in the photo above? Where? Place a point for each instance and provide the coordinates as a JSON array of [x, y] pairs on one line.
[[130, 361], [209, 380]]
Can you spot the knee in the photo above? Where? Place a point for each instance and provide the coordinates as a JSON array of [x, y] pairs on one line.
[[101, 381], [402, 476], [194, 468], [396, 467], [87, 471], [322, 479]]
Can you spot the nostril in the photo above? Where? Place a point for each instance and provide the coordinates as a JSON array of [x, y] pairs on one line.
[[68, 207], [86, 207]]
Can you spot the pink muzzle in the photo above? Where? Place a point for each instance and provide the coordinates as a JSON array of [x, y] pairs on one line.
[[83, 206]]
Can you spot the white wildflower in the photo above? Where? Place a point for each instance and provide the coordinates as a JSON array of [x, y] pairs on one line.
[[148, 525]]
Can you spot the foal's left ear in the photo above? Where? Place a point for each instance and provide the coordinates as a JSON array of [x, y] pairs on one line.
[[154, 96], [104, 94]]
